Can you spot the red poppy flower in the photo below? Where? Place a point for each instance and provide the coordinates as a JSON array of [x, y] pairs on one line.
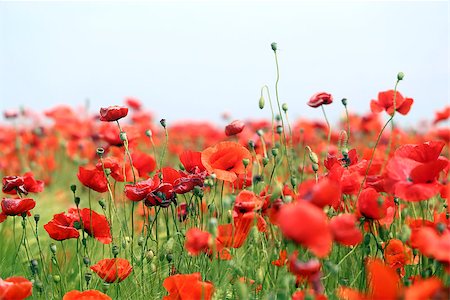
[[432, 244], [385, 102], [113, 113], [192, 161], [93, 179], [326, 192], [345, 231], [113, 164], [86, 295], [442, 115], [112, 269], [15, 288], [134, 103], [307, 225], [305, 269], [24, 184], [413, 171], [397, 255], [61, 227], [308, 294], [95, 225], [140, 190], [319, 99], [187, 286], [143, 162], [225, 160], [17, 207], [234, 128], [282, 260], [197, 241], [371, 204]]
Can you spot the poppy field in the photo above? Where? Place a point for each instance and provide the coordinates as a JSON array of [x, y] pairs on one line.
[[113, 204]]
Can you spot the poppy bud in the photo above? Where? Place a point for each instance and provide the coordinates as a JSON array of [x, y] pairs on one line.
[[274, 152], [105, 287], [102, 203], [400, 76], [73, 188], [313, 157], [245, 162], [277, 117], [294, 181], [344, 101], [123, 136], [279, 129], [265, 161], [115, 250], [88, 277], [37, 217], [261, 102], [260, 132], [169, 257], [148, 133], [284, 106], [53, 248], [86, 261], [100, 152], [251, 144], [56, 278], [149, 255], [315, 168], [163, 123], [77, 201], [274, 46]]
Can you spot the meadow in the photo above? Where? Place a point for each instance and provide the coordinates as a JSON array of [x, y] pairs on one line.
[[117, 205]]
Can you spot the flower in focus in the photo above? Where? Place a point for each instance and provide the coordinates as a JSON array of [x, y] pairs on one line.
[[225, 160], [23, 184], [319, 99], [385, 102], [15, 288], [113, 113], [112, 269], [16, 207], [187, 286], [93, 178]]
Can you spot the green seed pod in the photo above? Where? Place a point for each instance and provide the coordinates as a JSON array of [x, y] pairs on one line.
[[100, 152], [274, 46], [279, 129], [260, 132], [293, 181], [163, 123], [102, 203], [86, 261], [123, 136], [315, 167], [73, 188], [400, 76], [275, 152], [53, 248], [88, 277], [105, 287], [313, 157], [77, 201], [115, 250], [261, 102], [265, 161], [245, 162], [284, 106], [344, 101], [148, 133], [37, 217]]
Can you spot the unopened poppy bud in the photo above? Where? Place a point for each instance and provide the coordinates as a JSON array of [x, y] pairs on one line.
[[400, 76], [163, 123], [294, 181], [345, 153], [245, 162], [261, 102], [257, 179], [149, 133], [115, 250], [53, 248], [265, 161], [37, 217], [77, 201], [34, 263], [105, 287], [102, 203], [313, 157], [149, 255], [251, 144], [440, 227], [284, 106], [86, 261], [260, 132], [279, 129], [73, 188], [275, 152], [274, 46], [56, 278], [88, 277], [141, 241], [100, 152], [344, 101], [123, 136], [169, 257], [315, 167]]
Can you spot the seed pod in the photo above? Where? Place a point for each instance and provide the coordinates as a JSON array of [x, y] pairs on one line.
[[261, 102]]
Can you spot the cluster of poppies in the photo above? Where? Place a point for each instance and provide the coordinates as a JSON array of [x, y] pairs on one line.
[[316, 204]]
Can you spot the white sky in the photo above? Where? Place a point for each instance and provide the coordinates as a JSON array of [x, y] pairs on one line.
[[195, 60]]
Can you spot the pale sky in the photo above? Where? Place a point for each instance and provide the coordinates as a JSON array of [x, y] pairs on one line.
[[195, 60]]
